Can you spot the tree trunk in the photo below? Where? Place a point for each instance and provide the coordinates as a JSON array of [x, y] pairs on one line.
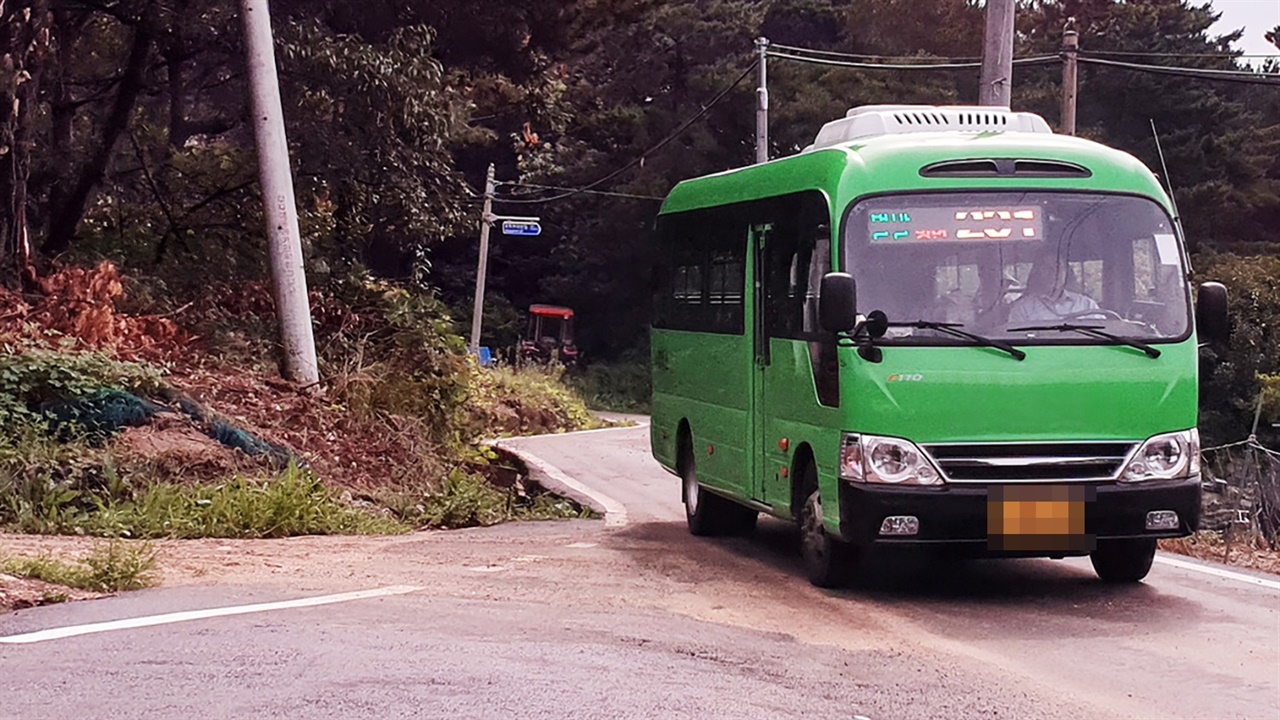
[[66, 218], [25, 38]]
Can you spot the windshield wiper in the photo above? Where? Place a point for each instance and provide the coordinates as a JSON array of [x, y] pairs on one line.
[[954, 330], [1093, 331]]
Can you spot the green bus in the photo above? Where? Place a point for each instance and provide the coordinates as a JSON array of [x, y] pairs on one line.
[[937, 327]]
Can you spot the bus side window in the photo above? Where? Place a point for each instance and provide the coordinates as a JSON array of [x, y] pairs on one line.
[[700, 272], [798, 254]]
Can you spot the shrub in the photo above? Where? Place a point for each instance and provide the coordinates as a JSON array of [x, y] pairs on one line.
[[32, 377], [47, 488], [111, 567], [392, 350], [526, 401], [1230, 382], [623, 386]]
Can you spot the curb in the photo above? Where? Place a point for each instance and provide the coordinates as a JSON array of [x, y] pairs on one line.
[[554, 480]]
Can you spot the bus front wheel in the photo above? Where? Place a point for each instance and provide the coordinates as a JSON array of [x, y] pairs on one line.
[[828, 560], [1123, 561]]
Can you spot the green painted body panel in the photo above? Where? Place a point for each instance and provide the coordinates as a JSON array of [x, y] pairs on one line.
[[1059, 393], [716, 404], [954, 393]]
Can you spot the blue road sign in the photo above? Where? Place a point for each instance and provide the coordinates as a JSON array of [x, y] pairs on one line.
[[521, 227]]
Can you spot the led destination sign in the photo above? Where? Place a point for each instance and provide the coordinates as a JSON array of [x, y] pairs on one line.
[[955, 224]]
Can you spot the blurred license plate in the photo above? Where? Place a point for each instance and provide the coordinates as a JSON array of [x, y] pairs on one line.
[[1037, 518]]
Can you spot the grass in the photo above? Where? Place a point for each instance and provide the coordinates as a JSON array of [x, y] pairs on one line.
[[51, 488], [111, 567], [525, 401], [65, 489], [624, 386], [469, 500], [294, 503]]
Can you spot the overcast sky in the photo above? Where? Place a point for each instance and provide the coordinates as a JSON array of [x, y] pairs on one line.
[[1255, 16]]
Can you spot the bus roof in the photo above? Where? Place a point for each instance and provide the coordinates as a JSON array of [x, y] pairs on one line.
[[893, 163]]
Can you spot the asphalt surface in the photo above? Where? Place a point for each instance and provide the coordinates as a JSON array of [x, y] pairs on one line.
[[589, 619]]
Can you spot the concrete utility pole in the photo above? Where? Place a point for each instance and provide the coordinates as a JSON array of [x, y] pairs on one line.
[[486, 222], [1070, 47], [996, 82], [762, 101], [289, 279]]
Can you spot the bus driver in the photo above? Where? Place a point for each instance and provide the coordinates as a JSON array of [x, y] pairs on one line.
[[1047, 297]]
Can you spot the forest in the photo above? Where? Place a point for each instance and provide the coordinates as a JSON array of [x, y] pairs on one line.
[[128, 139]]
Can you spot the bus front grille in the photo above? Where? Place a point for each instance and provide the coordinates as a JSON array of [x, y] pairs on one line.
[[1031, 462]]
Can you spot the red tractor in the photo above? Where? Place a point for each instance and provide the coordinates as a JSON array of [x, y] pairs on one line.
[[549, 337]]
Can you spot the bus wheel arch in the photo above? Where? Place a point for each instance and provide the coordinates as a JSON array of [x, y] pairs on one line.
[[800, 464], [828, 560]]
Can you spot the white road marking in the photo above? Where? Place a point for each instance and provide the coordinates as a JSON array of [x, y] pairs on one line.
[[581, 545], [167, 618], [615, 515], [487, 568], [1217, 572]]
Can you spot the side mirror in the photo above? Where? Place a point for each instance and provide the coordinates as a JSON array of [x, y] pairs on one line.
[[838, 303], [1212, 321]]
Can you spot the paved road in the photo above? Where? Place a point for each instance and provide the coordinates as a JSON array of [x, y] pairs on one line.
[[584, 619]]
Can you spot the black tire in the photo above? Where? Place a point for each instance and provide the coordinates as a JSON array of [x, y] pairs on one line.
[[707, 513], [1123, 561], [828, 560]]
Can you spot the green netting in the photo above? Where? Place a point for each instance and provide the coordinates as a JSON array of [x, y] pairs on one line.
[[248, 443], [98, 416]]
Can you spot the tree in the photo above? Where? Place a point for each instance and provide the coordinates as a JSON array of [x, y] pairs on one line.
[[1220, 139]]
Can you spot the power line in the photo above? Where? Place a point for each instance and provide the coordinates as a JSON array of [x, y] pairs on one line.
[[1239, 76], [1037, 60], [860, 56], [1225, 56], [536, 186], [656, 147]]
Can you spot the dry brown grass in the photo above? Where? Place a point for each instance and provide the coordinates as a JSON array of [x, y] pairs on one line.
[[1252, 552]]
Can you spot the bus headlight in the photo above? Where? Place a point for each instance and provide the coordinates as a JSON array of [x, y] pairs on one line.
[[1165, 457], [885, 460]]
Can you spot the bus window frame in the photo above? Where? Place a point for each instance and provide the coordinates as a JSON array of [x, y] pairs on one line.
[[841, 260]]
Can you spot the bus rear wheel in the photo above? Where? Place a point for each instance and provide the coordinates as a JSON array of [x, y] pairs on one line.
[[1123, 561], [708, 513], [828, 560]]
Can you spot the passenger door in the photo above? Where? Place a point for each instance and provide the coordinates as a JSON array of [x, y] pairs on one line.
[[794, 384]]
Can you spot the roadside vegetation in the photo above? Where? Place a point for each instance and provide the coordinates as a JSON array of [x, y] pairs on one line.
[[123, 424], [113, 566], [622, 386]]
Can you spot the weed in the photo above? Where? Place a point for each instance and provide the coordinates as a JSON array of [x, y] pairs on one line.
[[525, 401], [295, 503], [87, 498], [111, 567], [624, 386], [35, 376], [467, 499]]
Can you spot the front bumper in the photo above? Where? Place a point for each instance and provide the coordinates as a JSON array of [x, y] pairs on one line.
[[957, 514]]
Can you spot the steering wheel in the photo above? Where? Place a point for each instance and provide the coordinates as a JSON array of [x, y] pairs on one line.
[[1097, 314]]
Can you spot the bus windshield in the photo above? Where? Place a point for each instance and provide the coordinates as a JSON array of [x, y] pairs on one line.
[[1019, 266]]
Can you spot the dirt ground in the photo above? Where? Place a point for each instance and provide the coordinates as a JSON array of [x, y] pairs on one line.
[[17, 593], [1252, 553], [339, 560]]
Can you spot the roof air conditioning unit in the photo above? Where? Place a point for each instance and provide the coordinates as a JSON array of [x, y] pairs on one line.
[[873, 120]]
